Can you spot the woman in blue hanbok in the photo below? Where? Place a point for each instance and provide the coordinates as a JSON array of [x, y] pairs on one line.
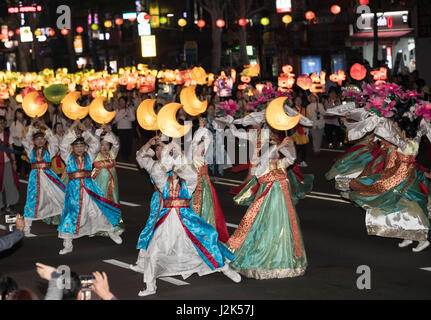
[[176, 241], [86, 210], [45, 191]]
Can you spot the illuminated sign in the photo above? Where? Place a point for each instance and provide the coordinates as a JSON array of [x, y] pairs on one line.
[[155, 12], [284, 6], [26, 34], [388, 20], [130, 15], [148, 46], [77, 44], [24, 9]]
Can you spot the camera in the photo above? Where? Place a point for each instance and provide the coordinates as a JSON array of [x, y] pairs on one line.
[[10, 218], [86, 287]]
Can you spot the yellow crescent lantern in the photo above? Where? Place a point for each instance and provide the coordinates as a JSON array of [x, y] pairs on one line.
[[146, 116], [192, 105], [199, 75], [98, 112], [277, 118], [167, 122], [71, 108], [33, 108]]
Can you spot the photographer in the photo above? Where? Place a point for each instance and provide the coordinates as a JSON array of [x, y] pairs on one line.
[[100, 285], [11, 239]]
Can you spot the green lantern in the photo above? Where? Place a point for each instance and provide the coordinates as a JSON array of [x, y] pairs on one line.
[[264, 21], [55, 93]]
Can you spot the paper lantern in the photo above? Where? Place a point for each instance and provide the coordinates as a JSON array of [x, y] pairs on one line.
[[277, 118], [364, 2], [11, 33], [79, 29], [201, 23], [55, 93], [199, 75], [192, 105], [335, 9], [34, 105], [98, 112], [71, 108], [119, 21], [51, 32], [37, 32], [286, 19], [108, 24], [309, 15], [182, 22], [220, 23], [163, 20], [304, 82], [146, 116], [358, 72], [94, 27], [168, 124], [264, 21], [242, 22]]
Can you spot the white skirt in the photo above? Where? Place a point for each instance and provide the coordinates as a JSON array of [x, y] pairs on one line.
[[171, 253], [92, 220]]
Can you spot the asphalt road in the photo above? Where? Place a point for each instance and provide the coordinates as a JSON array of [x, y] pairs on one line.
[[334, 233]]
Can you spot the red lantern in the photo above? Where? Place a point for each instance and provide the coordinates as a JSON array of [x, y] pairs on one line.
[[64, 32], [364, 2], [51, 32], [309, 15], [242, 22], [79, 29], [147, 17], [358, 72], [118, 21], [201, 23], [17, 31], [11, 33], [335, 9], [220, 23]]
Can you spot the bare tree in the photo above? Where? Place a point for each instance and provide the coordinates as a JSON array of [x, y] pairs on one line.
[[215, 9]]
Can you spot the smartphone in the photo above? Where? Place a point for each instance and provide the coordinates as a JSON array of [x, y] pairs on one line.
[[10, 218], [86, 287]]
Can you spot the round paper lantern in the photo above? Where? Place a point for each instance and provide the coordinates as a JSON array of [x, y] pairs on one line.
[[309, 15], [51, 32], [358, 72], [242, 22], [79, 29], [335, 9], [108, 24], [98, 112], [286, 19], [71, 108], [94, 27], [64, 32], [163, 20], [55, 93], [220, 23], [364, 2], [182, 22], [37, 32], [201, 23], [147, 17], [11, 33], [18, 31], [264, 21], [34, 105], [304, 82], [119, 21]]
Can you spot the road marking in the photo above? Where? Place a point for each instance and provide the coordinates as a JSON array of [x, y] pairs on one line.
[[128, 168], [426, 269], [127, 164], [127, 266], [232, 225], [2, 227], [327, 199], [326, 194], [226, 184], [332, 150], [228, 180], [129, 204]]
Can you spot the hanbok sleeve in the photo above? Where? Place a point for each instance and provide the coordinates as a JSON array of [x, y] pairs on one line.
[[289, 154], [387, 131], [304, 121], [113, 139], [357, 130], [27, 141], [188, 173], [145, 159], [239, 134], [199, 146], [65, 145], [53, 143], [93, 144], [159, 176], [341, 110], [222, 122]]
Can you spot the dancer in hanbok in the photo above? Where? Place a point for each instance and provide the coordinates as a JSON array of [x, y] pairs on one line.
[[105, 172], [205, 202], [176, 240], [45, 191], [86, 210], [268, 242]]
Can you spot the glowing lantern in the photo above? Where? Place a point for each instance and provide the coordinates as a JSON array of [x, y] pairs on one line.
[[55, 93], [11, 33], [264, 21], [108, 24], [79, 29], [64, 32], [146, 116], [18, 31], [242, 22], [358, 72], [37, 32], [34, 105], [98, 112], [199, 75], [163, 20], [118, 21], [191, 104], [364, 2], [304, 82], [51, 32], [201, 23], [182, 22], [147, 17], [335, 9], [220, 23], [286, 19], [71, 108], [309, 15], [94, 27]]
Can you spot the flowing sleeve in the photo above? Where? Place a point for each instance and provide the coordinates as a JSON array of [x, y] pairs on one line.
[[93, 144], [239, 134], [341, 110], [27, 141], [186, 172], [65, 145], [304, 121], [145, 159], [357, 130], [422, 131], [199, 146], [387, 131], [289, 154], [222, 122], [113, 139], [53, 143]]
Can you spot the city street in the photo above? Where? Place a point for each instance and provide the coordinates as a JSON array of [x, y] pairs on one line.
[[333, 229]]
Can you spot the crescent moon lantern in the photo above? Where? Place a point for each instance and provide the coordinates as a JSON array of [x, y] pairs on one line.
[[98, 112], [167, 122], [277, 118], [192, 105], [146, 116], [71, 108]]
